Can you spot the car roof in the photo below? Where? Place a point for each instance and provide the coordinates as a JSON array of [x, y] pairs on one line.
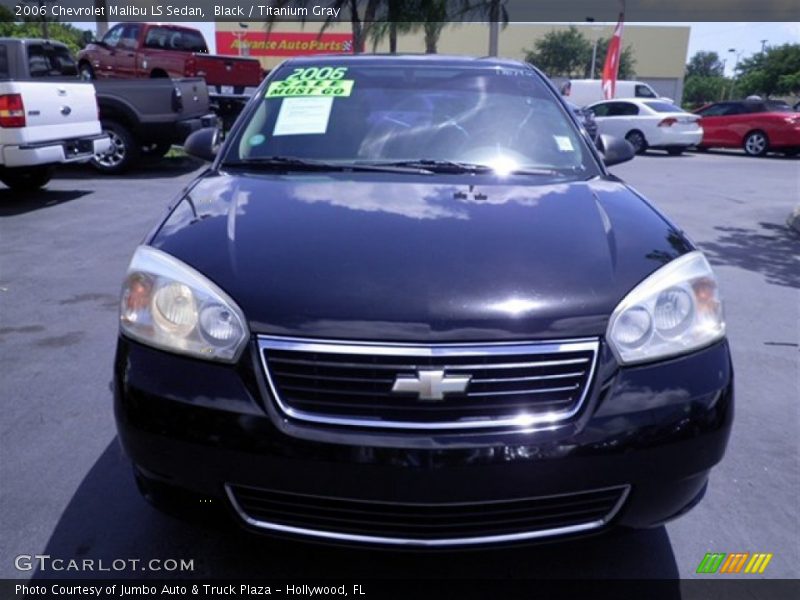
[[409, 59]]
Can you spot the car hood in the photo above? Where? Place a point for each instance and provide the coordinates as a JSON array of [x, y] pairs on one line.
[[419, 258]]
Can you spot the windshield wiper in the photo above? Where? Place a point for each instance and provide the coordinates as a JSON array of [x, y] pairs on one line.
[[293, 163], [452, 166], [436, 165]]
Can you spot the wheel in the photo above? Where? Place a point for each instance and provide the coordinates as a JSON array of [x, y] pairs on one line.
[[675, 151], [636, 139], [756, 143], [125, 150], [26, 179], [86, 72], [155, 151]]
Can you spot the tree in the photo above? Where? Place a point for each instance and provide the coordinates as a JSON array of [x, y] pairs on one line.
[[699, 89], [363, 15], [567, 53], [775, 71], [407, 16], [705, 64], [561, 53], [626, 60], [62, 32], [493, 11]]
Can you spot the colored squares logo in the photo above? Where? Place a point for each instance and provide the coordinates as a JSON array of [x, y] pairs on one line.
[[736, 562]]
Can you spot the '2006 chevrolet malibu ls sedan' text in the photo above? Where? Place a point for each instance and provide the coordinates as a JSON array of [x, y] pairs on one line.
[[408, 305]]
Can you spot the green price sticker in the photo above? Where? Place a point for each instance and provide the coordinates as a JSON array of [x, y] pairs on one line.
[[325, 87], [312, 81]]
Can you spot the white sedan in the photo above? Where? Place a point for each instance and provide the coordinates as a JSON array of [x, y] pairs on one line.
[[648, 123]]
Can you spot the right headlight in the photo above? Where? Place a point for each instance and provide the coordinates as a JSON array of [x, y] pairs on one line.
[[169, 305], [675, 310]]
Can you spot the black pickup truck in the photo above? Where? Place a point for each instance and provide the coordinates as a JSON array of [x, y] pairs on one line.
[[143, 118]]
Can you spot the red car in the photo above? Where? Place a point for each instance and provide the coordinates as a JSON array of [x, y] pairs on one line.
[[132, 50], [756, 126]]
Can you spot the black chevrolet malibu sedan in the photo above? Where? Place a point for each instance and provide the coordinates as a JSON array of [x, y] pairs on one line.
[[408, 305]]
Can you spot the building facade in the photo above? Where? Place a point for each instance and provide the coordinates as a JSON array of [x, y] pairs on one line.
[[660, 51]]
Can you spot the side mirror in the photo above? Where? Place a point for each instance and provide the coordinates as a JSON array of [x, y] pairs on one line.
[[615, 150], [203, 144]]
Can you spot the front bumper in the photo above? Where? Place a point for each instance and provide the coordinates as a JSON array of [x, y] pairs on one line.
[[652, 432], [56, 151]]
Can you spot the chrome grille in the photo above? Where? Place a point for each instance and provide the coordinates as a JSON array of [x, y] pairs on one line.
[[426, 524], [351, 383]]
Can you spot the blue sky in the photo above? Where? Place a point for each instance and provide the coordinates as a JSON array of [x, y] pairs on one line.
[[718, 37]]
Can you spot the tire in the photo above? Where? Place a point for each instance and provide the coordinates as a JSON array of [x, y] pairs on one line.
[[156, 151], [637, 140], [675, 151], [26, 179], [756, 143], [125, 150], [86, 72]]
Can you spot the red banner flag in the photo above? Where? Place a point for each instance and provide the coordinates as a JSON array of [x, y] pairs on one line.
[[611, 67]]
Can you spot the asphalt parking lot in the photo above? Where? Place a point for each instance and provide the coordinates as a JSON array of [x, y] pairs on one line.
[[67, 490]]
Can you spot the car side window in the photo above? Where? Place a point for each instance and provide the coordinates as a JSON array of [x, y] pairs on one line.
[[113, 36], [156, 38], [736, 109], [129, 37], [643, 91], [38, 65], [715, 110], [620, 109], [614, 109], [600, 110]]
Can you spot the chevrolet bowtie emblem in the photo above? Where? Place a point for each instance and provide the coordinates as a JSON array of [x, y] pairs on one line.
[[430, 385]]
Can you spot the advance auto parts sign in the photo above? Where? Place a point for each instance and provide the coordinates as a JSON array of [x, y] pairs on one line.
[[313, 81], [283, 43]]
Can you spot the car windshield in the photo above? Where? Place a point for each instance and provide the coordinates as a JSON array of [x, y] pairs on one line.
[[408, 112], [663, 107]]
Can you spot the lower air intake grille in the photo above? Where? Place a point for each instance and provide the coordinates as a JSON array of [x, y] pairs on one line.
[[442, 524]]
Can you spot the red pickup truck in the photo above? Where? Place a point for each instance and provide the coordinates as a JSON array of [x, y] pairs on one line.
[[136, 50]]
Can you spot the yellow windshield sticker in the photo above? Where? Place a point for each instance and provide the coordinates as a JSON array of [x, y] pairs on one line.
[[313, 81]]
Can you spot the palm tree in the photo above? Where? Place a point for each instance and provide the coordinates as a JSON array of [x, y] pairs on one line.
[[495, 12], [361, 22], [407, 16], [399, 18]]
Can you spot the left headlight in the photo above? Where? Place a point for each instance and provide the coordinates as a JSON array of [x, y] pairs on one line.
[[167, 304], [675, 310]]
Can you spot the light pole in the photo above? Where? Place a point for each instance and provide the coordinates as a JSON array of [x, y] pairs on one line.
[[239, 38], [763, 46], [594, 47], [737, 54]]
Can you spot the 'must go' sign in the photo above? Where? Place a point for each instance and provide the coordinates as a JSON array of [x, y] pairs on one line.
[[277, 43]]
